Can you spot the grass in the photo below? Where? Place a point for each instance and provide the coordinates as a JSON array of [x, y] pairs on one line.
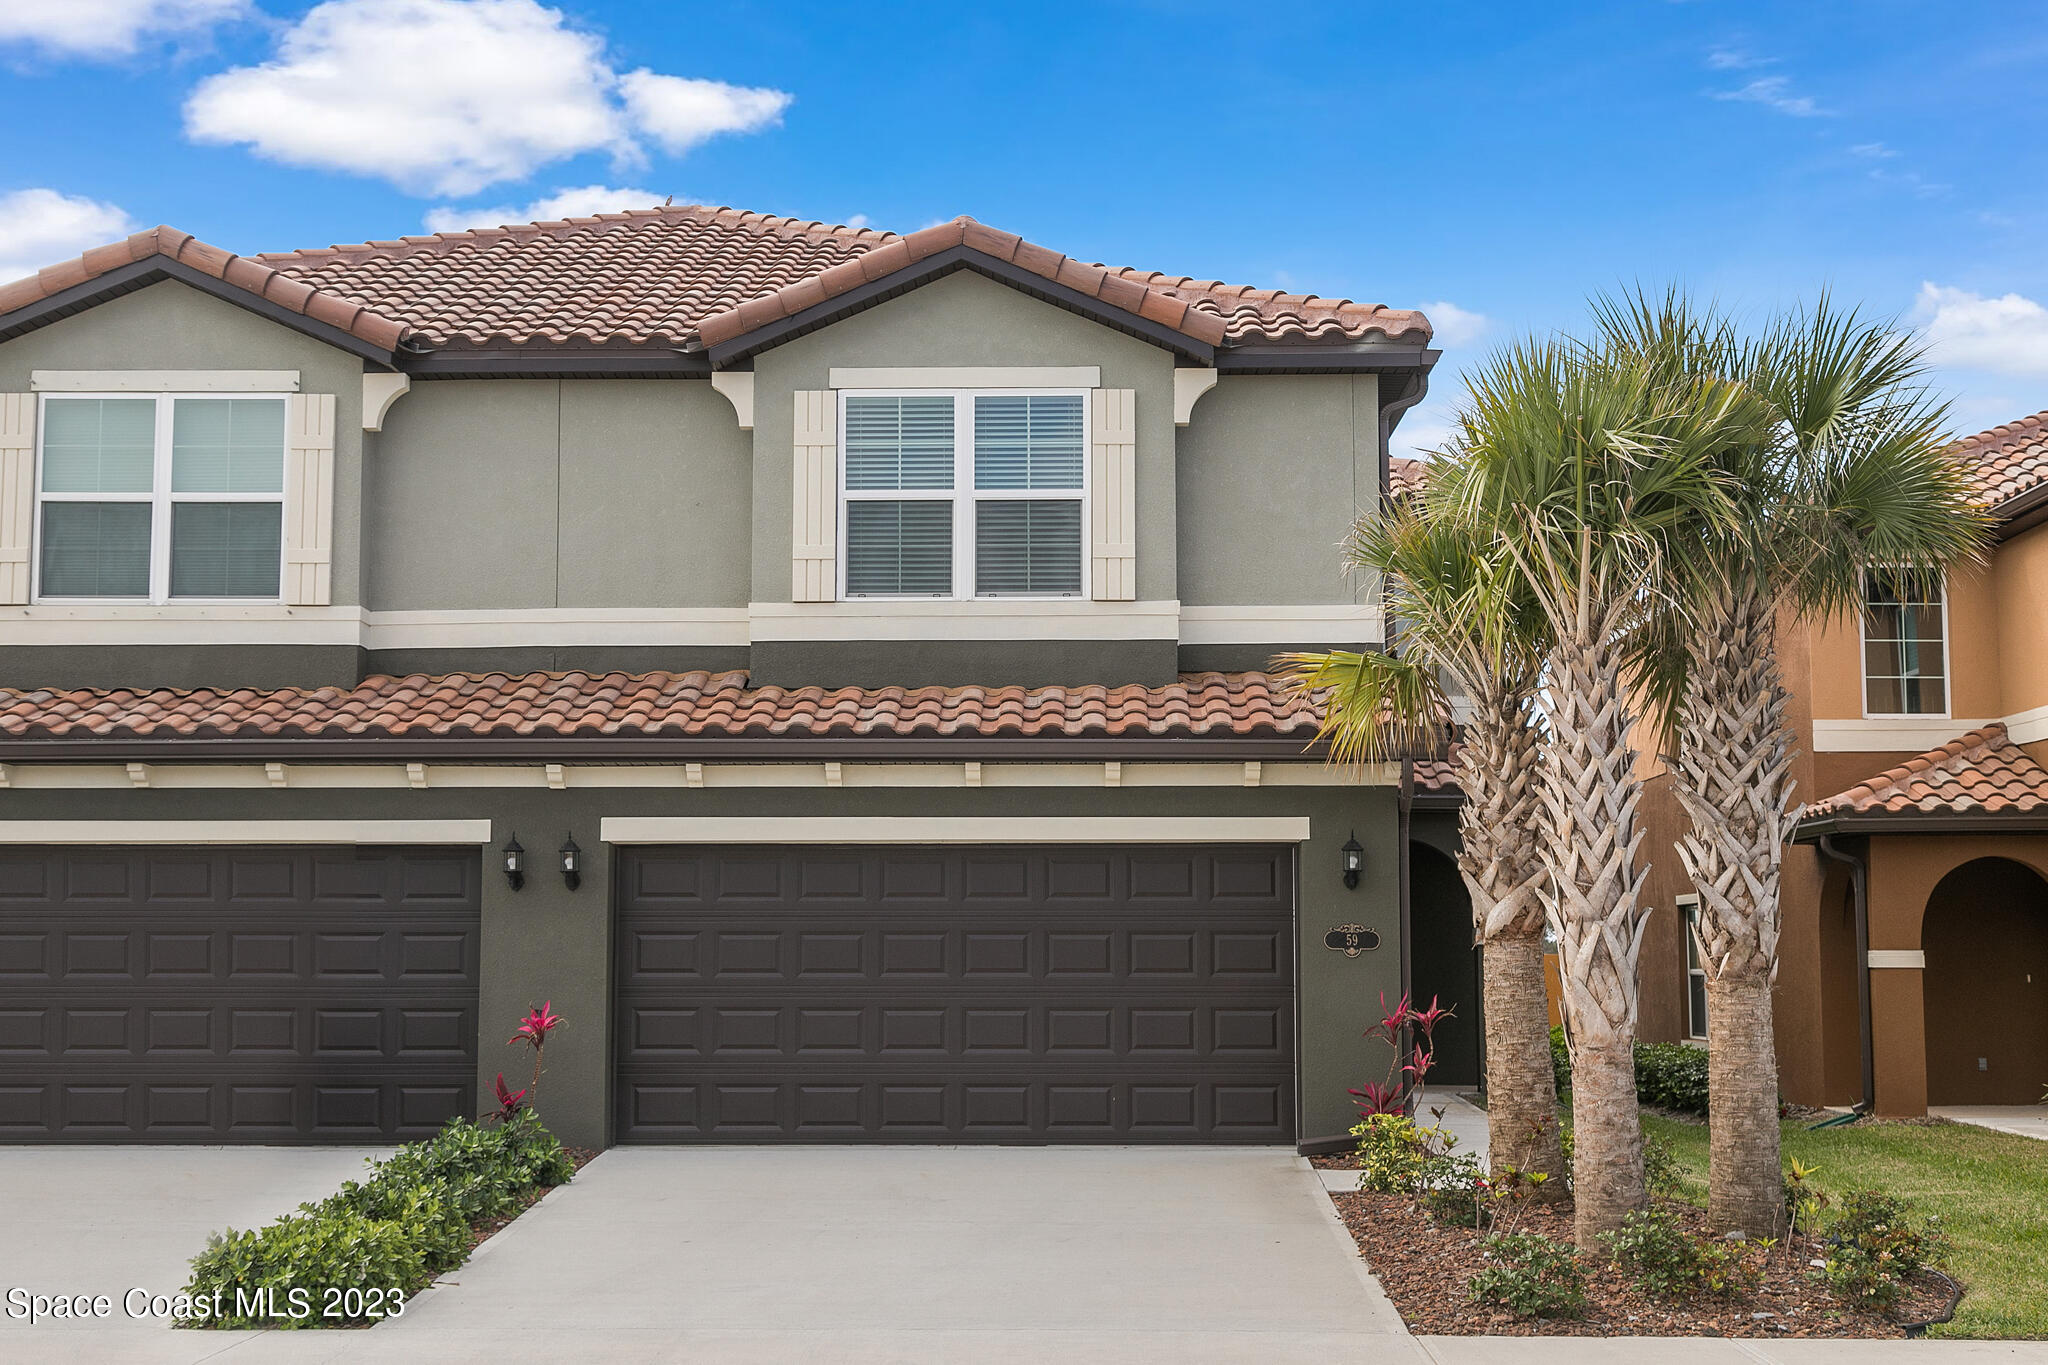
[[1989, 1189]]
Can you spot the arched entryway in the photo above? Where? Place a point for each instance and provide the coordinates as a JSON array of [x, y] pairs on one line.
[[1443, 963], [1986, 985]]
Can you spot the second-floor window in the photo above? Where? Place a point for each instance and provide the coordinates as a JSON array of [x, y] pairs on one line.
[[160, 497], [1695, 974], [1905, 644], [962, 495]]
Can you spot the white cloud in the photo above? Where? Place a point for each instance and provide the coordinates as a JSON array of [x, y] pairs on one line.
[[447, 97], [859, 220], [106, 28], [581, 202], [679, 112], [41, 227], [1774, 92], [2006, 335], [1873, 151], [1425, 429], [1735, 59], [1456, 326]]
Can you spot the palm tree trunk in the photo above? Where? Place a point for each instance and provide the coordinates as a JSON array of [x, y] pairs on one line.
[[1498, 854], [1521, 1087], [1590, 795], [1733, 776]]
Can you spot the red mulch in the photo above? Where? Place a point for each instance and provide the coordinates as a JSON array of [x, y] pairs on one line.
[[483, 1232], [1425, 1266]]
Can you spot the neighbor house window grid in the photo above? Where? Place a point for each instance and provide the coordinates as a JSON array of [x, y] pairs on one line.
[[1695, 973], [958, 495], [1905, 644]]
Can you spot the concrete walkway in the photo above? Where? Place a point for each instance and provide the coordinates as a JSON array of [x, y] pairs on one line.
[[2028, 1120]]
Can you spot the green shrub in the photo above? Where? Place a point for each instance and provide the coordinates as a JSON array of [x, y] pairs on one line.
[[1560, 1061], [1530, 1276], [1663, 1173], [1395, 1152], [1874, 1246], [1454, 1190], [411, 1219], [1668, 1075], [1670, 1262], [297, 1260]]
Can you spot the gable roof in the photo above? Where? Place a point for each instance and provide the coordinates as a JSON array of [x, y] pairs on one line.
[[2012, 463], [166, 253], [697, 276], [1982, 773], [699, 707]]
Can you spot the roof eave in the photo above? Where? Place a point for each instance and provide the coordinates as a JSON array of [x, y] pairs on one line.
[[734, 349], [1370, 357], [126, 279], [2021, 513], [1921, 822]]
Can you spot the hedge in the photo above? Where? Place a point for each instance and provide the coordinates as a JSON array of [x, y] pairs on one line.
[[1668, 1075], [360, 1253]]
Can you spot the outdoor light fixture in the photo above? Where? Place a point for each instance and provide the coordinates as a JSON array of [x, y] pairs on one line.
[[572, 864], [515, 863], [1354, 860]]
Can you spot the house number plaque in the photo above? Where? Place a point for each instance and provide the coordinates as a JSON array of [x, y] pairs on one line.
[[1351, 939]]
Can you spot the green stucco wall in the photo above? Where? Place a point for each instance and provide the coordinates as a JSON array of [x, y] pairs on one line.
[[547, 943]]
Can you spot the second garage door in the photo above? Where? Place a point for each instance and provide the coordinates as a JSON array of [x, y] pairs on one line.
[[839, 994]]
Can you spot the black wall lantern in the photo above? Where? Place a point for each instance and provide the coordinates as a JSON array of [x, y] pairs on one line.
[[515, 863], [1354, 860], [572, 864]]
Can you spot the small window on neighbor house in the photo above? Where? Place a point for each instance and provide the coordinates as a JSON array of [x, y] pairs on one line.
[[1905, 644], [160, 498], [959, 495], [1695, 974]]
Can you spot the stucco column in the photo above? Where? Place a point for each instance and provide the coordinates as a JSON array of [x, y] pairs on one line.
[[1898, 1026]]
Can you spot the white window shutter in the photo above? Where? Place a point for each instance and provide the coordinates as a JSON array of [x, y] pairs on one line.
[[814, 568], [17, 493], [1113, 476], [309, 500]]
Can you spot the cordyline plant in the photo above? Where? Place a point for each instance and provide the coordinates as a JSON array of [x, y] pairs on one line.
[[510, 1101], [533, 1032], [1412, 1035]]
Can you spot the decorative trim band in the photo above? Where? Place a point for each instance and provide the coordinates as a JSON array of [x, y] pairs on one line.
[[1914, 958], [895, 619], [555, 627], [245, 831], [2026, 727], [965, 377], [1905, 734], [946, 829], [164, 381], [1350, 623]]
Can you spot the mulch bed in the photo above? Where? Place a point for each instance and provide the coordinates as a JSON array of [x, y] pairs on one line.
[[1425, 1265], [483, 1232]]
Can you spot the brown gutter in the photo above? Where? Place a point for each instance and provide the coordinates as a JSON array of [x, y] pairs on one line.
[[2021, 513], [1920, 822], [1859, 899]]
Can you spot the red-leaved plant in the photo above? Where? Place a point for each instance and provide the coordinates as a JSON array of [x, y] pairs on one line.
[[533, 1032], [1412, 1035], [510, 1101]]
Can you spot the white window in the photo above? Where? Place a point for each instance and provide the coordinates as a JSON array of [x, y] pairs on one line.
[[160, 497], [1695, 974], [962, 495], [1905, 644]]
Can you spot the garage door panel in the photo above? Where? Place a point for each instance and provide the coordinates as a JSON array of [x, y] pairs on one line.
[[1092, 994], [273, 995]]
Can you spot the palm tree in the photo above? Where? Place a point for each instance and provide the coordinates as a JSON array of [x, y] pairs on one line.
[[1581, 467], [1849, 473], [1461, 620]]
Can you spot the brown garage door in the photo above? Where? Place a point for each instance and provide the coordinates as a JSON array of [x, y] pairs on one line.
[[956, 995], [236, 995]]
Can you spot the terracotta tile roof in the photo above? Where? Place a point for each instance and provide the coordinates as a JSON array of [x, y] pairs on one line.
[[711, 705], [1405, 475], [1980, 773], [678, 275], [1437, 776], [353, 316], [2011, 459]]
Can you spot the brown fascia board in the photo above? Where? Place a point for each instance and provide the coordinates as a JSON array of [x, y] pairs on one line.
[[727, 353], [659, 749], [1920, 822], [552, 361], [126, 279], [2022, 513], [1371, 357]]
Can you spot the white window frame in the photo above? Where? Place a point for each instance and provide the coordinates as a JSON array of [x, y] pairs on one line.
[[965, 496], [1688, 919], [1948, 677], [160, 499]]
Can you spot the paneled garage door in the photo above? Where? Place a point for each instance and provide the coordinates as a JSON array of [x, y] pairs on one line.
[[840, 994], [236, 995]]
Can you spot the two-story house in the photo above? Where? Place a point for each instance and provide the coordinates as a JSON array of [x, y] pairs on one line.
[[1914, 958], [826, 664]]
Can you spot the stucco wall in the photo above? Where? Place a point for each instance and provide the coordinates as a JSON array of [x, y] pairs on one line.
[[963, 319], [509, 493], [1975, 680], [2019, 576], [170, 326], [1273, 470]]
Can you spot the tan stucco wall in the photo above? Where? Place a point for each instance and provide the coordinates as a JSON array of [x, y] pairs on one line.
[[2019, 575], [1975, 621]]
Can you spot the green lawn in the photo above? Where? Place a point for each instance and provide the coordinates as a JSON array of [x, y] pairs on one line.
[[1990, 1189]]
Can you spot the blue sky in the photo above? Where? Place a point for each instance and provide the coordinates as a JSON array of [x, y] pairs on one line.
[[1494, 163]]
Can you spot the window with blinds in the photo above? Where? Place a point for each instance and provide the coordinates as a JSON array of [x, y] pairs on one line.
[[959, 495], [160, 498], [1905, 644]]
